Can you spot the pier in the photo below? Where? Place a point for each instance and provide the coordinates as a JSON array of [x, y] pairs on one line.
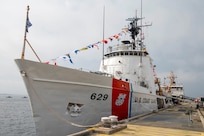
[[183, 119]]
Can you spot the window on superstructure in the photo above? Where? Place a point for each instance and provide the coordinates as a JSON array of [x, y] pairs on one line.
[[126, 53]]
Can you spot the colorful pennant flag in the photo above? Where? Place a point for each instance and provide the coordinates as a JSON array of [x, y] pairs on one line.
[[85, 48], [68, 57]]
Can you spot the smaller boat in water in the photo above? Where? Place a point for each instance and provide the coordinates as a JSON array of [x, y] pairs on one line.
[[9, 97], [24, 97]]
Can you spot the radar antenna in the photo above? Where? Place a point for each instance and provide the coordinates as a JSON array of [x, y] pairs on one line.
[[134, 29]]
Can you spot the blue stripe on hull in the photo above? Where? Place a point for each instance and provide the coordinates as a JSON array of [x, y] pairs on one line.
[[130, 104]]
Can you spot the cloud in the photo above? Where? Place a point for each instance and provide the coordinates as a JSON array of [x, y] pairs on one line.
[[175, 40]]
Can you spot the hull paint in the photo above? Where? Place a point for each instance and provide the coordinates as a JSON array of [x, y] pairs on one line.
[[120, 99], [65, 100]]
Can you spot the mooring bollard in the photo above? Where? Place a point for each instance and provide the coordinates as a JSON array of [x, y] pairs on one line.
[[109, 122]]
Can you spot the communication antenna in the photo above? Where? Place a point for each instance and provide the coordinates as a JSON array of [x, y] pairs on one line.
[[141, 44]]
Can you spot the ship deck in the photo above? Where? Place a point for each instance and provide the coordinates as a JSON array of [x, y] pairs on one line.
[[167, 122]]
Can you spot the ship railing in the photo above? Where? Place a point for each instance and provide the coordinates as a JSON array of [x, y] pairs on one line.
[[101, 73], [122, 47], [96, 72]]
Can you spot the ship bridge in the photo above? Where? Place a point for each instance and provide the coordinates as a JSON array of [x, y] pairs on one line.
[[125, 49]]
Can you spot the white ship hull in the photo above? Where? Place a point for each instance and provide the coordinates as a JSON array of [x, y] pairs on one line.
[[62, 96]]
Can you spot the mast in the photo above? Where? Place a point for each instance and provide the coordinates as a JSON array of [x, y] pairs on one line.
[[141, 76], [27, 25], [141, 44], [103, 33], [24, 42]]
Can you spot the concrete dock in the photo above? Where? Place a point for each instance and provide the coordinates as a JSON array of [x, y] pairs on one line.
[[182, 120]]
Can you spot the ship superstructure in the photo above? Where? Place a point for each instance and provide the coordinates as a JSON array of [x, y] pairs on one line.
[[129, 61]]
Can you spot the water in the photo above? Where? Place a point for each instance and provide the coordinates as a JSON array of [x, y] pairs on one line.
[[16, 116]]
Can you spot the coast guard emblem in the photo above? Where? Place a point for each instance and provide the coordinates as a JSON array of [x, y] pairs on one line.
[[120, 100]]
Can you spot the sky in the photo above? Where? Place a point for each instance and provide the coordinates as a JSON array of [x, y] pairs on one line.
[[175, 39]]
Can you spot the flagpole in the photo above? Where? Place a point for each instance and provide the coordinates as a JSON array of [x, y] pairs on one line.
[[24, 42]]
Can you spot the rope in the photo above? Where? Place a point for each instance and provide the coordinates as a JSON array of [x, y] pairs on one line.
[[33, 50]]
